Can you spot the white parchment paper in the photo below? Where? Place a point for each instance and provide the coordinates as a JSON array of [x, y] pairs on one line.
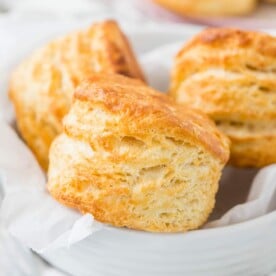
[[43, 224]]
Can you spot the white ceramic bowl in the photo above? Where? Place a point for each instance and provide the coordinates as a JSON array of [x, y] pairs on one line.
[[247, 248]]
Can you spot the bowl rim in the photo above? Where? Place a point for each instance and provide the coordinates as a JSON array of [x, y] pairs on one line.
[[221, 230]]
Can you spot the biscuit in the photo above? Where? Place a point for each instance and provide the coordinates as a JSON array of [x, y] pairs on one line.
[[41, 88], [209, 7], [230, 74], [133, 158]]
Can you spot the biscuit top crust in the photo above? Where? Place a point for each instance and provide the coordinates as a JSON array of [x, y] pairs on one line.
[[144, 111], [119, 57], [219, 37]]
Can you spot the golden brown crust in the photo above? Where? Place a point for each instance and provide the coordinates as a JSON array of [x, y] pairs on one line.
[[209, 7], [149, 109], [41, 88], [230, 75], [133, 158]]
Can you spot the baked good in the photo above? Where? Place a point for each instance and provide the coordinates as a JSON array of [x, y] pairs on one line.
[[41, 88], [230, 74], [209, 7], [133, 158]]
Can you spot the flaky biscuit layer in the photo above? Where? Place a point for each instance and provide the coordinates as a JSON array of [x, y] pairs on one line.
[[133, 158]]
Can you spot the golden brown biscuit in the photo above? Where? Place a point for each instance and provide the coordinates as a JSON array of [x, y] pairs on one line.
[[231, 75], [131, 157], [209, 7], [41, 88]]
